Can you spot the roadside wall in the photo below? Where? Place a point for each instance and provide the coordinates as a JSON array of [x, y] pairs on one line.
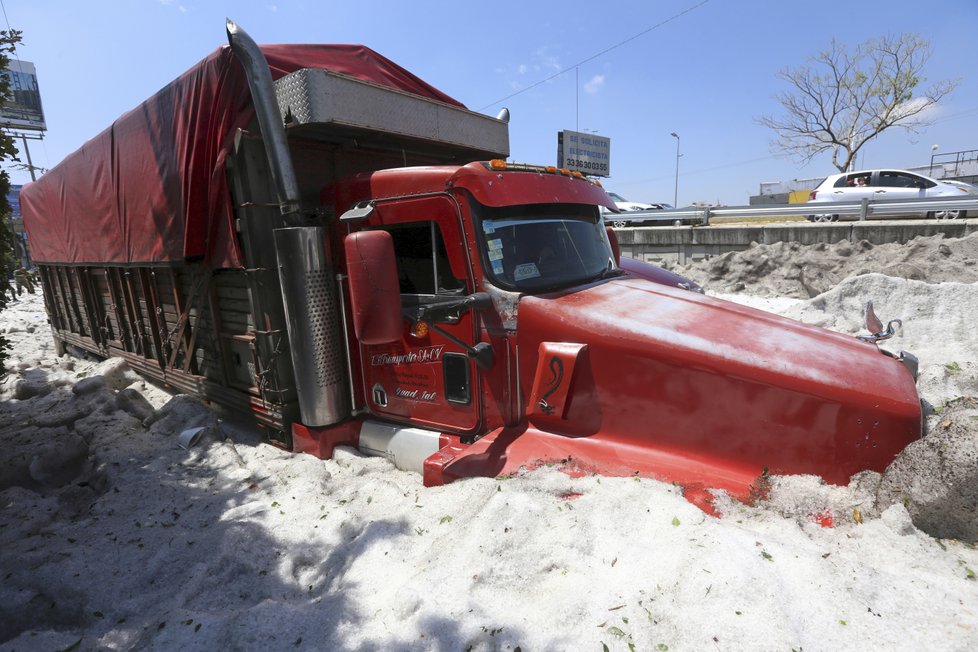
[[682, 244]]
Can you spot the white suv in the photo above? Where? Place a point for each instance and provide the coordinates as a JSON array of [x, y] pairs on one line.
[[886, 184]]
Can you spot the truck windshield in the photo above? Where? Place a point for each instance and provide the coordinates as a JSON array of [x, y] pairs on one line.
[[543, 248]]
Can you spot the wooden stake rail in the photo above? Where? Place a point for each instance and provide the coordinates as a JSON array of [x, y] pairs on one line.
[[188, 327]]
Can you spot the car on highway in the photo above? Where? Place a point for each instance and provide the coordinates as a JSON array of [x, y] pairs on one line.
[[645, 217], [625, 205], [624, 218], [885, 184]]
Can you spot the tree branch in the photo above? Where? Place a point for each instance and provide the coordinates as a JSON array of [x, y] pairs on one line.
[[840, 100]]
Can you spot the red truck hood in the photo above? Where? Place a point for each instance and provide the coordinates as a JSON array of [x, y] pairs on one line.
[[685, 386]]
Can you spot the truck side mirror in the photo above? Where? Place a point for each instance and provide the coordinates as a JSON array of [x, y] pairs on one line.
[[375, 293], [615, 247]]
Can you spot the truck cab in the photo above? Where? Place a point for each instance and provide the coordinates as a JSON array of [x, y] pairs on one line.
[[520, 341], [486, 229]]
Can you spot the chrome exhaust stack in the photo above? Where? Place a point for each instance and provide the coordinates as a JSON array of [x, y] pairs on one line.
[[309, 296], [269, 120], [306, 274]]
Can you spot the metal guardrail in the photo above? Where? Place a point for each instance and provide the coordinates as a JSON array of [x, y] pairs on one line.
[[863, 210], [954, 163]]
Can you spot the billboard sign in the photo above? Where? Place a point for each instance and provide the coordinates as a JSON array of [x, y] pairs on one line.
[[587, 153], [23, 109]]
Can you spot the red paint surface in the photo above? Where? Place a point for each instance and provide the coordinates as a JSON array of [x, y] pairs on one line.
[[689, 375], [488, 187], [553, 380], [654, 273], [321, 442], [824, 519], [700, 392]]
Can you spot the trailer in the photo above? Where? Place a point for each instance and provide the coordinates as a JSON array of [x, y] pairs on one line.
[[313, 237]]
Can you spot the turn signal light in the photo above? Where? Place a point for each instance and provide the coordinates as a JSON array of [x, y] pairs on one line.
[[419, 330], [500, 165]]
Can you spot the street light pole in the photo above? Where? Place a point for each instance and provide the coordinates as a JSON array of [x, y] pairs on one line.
[[675, 196], [933, 148]]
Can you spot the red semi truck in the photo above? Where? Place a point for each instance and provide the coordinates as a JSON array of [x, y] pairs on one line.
[[298, 233]]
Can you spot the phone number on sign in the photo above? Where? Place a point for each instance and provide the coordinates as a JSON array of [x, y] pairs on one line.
[[582, 164]]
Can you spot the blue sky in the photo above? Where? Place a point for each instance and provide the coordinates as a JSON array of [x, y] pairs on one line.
[[705, 75]]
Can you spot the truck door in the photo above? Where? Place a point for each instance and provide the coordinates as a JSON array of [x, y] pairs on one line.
[[426, 378]]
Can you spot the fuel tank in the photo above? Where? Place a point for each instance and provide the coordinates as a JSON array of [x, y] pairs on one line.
[[629, 376]]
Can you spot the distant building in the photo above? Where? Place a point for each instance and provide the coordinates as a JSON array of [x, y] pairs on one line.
[[13, 198]]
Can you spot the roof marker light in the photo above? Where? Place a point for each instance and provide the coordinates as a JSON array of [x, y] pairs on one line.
[[497, 164]]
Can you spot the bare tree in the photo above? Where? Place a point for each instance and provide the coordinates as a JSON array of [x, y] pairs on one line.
[[842, 99]]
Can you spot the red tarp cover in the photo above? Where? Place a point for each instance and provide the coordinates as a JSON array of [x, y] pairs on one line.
[[151, 188]]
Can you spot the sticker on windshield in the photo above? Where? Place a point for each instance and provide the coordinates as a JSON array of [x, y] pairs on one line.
[[488, 227], [497, 267], [495, 247], [525, 271]]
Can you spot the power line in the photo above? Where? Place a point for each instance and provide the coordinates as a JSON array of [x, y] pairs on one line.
[[956, 116], [700, 171], [13, 45], [7, 20], [595, 56]]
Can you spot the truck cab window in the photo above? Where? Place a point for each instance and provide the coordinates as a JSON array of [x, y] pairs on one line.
[[537, 249], [422, 261]]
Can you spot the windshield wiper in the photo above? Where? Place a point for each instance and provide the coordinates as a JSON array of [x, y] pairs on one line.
[[607, 272]]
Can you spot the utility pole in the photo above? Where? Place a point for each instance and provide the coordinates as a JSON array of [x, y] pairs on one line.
[[27, 150], [675, 196]]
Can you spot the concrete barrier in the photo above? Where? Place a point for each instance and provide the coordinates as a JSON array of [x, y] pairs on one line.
[[688, 243]]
